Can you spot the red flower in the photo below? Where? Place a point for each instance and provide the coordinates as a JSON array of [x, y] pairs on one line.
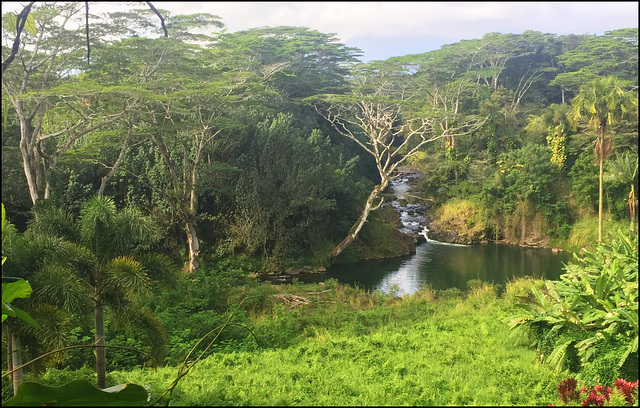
[[567, 390], [627, 388], [597, 396]]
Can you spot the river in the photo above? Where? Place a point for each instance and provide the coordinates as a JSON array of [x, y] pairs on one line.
[[442, 265], [436, 264]]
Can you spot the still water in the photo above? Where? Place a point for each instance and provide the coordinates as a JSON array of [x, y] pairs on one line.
[[442, 266]]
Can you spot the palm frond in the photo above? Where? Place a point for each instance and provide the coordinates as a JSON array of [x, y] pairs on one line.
[[55, 328], [154, 333], [53, 333], [132, 228], [60, 286], [12, 248], [96, 222], [160, 268], [55, 221], [36, 251], [622, 169], [127, 276], [10, 236], [78, 258], [141, 321]]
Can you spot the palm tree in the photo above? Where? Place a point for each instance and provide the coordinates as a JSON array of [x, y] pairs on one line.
[[624, 169], [30, 256], [603, 102], [111, 263]]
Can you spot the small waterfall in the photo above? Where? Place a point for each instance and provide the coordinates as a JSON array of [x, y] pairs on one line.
[[412, 212], [424, 233]]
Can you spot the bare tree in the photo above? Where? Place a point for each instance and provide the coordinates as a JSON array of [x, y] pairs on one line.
[[388, 116], [383, 132]]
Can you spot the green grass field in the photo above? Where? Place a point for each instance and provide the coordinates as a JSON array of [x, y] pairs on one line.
[[350, 348]]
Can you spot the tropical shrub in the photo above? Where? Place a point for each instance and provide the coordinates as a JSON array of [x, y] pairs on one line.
[[589, 319]]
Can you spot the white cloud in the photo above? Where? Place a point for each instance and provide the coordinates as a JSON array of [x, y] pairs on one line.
[[441, 21], [389, 19]]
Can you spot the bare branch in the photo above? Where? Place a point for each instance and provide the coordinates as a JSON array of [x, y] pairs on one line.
[[164, 28], [20, 22]]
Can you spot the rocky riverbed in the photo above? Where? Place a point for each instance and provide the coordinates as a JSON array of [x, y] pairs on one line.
[[411, 209]]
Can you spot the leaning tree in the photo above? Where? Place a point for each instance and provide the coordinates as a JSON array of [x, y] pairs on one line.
[[382, 115]]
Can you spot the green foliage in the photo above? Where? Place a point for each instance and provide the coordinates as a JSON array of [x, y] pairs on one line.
[[584, 180], [294, 185], [14, 290], [520, 288], [527, 195], [592, 307], [78, 393], [526, 175], [621, 183], [448, 180], [584, 233], [295, 61], [599, 56], [556, 141], [198, 304]]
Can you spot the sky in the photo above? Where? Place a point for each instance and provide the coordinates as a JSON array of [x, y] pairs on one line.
[[387, 29]]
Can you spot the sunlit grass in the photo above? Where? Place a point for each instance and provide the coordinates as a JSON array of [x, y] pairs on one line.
[[585, 232], [373, 350]]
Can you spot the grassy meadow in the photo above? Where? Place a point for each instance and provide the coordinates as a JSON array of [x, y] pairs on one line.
[[336, 345]]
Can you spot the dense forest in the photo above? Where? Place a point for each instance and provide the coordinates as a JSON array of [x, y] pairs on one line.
[[135, 163]]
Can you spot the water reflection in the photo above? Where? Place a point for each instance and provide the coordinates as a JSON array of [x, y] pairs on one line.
[[444, 266]]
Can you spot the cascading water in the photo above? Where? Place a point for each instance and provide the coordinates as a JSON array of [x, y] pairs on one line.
[[412, 214]]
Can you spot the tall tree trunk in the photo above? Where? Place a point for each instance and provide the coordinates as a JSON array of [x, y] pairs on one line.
[[632, 208], [194, 247], [355, 229], [7, 337], [600, 194], [192, 233], [29, 162], [600, 156], [16, 360], [99, 351], [105, 180]]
